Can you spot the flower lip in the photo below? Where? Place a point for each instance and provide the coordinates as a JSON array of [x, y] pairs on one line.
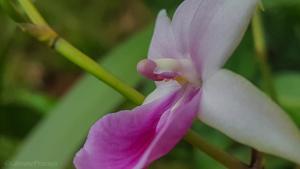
[[149, 69], [166, 69]]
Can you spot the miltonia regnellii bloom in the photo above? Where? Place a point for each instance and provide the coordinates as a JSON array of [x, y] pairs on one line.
[[185, 60]]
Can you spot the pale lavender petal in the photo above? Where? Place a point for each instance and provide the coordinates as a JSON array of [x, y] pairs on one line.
[[163, 44], [162, 89], [133, 139], [210, 30], [181, 23], [234, 106]]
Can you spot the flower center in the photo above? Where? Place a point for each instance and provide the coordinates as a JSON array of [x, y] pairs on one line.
[[181, 70]]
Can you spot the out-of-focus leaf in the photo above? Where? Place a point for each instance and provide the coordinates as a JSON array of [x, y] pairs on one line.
[[17, 120], [157, 5], [282, 28], [288, 90], [7, 147], [277, 163], [105, 22], [37, 101], [243, 60], [202, 160], [6, 40], [57, 138], [180, 158], [242, 152], [271, 3], [147, 87]]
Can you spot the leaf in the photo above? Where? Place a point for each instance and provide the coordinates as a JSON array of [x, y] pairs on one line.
[[57, 138], [16, 120], [202, 160], [243, 61], [7, 146], [282, 28], [288, 90], [271, 3], [38, 101], [157, 5]]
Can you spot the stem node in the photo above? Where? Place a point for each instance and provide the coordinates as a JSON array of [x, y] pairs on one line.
[[43, 33]]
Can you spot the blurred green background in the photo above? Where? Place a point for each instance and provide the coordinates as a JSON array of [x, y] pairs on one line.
[[47, 104]]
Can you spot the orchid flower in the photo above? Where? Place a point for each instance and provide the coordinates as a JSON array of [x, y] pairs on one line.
[[185, 60]]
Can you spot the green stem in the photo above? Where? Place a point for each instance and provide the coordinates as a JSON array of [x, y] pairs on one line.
[[218, 155], [89, 65], [32, 12], [40, 30], [262, 55], [267, 80], [73, 54], [11, 10]]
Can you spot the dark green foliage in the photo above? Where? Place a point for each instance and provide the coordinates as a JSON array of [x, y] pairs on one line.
[[35, 126]]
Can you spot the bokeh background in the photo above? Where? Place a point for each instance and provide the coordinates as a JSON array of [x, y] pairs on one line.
[[47, 104]]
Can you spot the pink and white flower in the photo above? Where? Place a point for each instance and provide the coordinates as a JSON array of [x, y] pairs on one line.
[[185, 60]]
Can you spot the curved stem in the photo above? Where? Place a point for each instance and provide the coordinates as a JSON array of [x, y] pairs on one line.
[[217, 154], [256, 160], [41, 31], [89, 65], [262, 54], [32, 12], [267, 81]]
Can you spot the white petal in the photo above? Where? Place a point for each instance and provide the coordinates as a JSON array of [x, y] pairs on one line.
[[162, 89], [163, 43], [211, 30], [181, 23], [234, 106]]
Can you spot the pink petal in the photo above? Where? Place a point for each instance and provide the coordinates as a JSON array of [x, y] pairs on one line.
[[133, 139], [148, 68], [234, 106], [210, 30], [163, 44]]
